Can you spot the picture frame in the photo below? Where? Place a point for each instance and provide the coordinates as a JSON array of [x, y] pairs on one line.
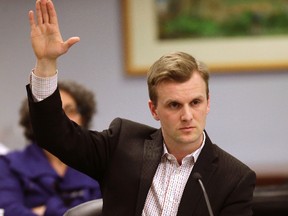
[[222, 55]]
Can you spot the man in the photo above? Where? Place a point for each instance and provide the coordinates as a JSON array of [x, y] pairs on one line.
[[141, 170]]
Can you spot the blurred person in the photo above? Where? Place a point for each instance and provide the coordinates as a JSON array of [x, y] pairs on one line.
[[35, 182], [158, 171]]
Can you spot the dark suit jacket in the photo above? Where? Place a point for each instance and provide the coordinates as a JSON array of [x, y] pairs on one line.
[[124, 159]]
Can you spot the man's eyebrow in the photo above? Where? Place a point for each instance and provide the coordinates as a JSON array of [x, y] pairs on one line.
[[171, 101]]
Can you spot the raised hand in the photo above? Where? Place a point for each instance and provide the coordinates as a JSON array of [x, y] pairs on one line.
[[46, 38]]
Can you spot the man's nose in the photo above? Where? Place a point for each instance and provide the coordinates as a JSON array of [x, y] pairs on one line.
[[187, 113]]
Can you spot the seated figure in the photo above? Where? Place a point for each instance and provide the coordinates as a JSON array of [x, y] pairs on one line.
[[35, 182]]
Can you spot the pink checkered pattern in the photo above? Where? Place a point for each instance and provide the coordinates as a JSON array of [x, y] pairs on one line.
[[168, 184], [43, 87]]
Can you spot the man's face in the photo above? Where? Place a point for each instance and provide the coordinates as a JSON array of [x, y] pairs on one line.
[[182, 109]]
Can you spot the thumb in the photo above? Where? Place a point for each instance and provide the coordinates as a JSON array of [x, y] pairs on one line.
[[71, 41]]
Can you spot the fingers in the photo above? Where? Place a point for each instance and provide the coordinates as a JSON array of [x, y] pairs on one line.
[[45, 12], [39, 12], [52, 12], [31, 19], [45, 15]]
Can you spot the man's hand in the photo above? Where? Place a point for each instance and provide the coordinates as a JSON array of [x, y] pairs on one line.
[[46, 38]]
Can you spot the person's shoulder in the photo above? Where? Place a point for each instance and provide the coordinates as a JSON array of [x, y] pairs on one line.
[[23, 155], [9, 158], [122, 122], [230, 161], [14, 154], [131, 128]]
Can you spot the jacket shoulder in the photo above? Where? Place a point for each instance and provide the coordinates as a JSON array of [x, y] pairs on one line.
[[230, 162], [131, 127]]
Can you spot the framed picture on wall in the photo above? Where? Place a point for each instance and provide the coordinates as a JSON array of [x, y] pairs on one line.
[[230, 36]]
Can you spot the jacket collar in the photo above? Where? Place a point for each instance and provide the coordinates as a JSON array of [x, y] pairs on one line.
[[205, 166], [153, 150]]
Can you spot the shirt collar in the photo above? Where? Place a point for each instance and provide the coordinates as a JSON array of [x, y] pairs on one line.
[[193, 155]]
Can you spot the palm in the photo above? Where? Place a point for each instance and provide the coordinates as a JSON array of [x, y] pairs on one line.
[[47, 41]]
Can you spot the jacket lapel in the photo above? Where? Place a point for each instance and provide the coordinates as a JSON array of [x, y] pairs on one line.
[[153, 150], [205, 166]]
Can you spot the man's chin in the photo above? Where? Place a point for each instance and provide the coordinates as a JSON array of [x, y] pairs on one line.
[[191, 140]]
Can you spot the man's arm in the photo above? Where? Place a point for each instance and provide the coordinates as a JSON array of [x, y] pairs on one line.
[[46, 38], [239, 202]]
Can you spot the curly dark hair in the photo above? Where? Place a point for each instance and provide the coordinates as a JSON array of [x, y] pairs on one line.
[[83, 97]]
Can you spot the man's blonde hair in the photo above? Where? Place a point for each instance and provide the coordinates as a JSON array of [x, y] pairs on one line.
[[178, 67]]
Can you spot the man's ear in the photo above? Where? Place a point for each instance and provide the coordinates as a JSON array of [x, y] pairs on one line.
[[208, 104], [153, 110]]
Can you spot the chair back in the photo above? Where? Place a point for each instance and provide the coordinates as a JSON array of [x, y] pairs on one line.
[[90, 208]]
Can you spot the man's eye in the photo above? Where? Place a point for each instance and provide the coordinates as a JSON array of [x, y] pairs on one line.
[[195, 102], [174, 105]]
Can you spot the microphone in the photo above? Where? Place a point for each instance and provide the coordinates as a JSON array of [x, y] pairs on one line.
[[197, 176]]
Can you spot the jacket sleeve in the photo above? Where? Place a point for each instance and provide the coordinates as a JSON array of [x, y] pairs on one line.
[[239, 202], [84, 150]]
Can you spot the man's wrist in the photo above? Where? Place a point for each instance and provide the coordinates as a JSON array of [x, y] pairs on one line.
[[45, 68]]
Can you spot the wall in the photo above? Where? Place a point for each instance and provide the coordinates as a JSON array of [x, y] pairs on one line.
[[249, 111]]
